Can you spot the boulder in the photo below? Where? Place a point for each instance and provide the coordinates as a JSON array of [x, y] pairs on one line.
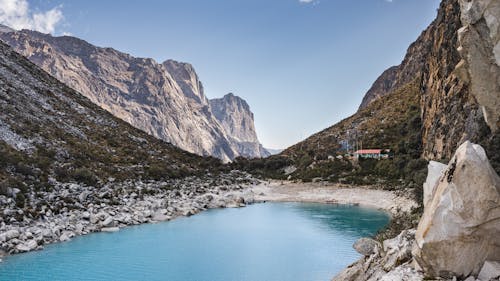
[[11, 234], [366, 246], [403, 272], [107, 222], [398, 250], [435, 171], [27, 246], [490, 270], [110, 229], [459, 229]]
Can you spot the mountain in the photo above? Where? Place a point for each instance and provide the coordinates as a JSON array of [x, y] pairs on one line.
[[50, 133], [236, 118], [165, 100], [444, 92], [274, 151]]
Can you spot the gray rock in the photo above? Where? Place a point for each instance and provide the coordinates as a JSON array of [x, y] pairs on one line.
[[27, 246], [110, 229], [107, 222], [434, 172], [490, 270], [65, 236], [366, 246], [11, 234], [398, 250], [404, 272]]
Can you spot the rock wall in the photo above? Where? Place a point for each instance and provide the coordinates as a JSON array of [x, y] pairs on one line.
[[479, 48], [451, 112]]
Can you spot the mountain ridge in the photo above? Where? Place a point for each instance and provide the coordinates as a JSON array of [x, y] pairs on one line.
[[166, 100]]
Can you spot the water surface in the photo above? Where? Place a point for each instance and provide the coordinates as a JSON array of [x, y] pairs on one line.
[[272, 241]]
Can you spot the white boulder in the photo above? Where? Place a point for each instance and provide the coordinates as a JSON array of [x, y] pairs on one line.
[[27, 246], [490, 270], [435, 172], [110, 229], [460, 226]]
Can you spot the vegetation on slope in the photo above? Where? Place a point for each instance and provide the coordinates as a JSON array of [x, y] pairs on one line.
[[390, 122], [69, 139]]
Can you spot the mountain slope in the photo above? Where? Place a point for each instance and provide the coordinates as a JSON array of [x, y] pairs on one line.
[[444, 92], [165, 100], [236, 118], [49, 132]]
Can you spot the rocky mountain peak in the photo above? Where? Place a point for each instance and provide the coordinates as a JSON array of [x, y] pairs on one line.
[[235, 116], [381, 86], [185, 75]]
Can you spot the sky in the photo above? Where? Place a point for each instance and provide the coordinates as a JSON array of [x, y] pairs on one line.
[[302, 65]]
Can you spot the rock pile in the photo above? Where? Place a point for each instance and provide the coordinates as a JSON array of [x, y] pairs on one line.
[[71, 209]]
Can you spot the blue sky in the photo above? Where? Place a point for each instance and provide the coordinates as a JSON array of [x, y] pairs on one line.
[[301, 65]]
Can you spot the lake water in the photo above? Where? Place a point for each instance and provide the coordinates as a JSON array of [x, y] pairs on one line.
[[261, 242]]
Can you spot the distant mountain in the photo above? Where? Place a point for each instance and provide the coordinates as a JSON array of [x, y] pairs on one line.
[[274, 151], [237, 120], [49, 133], [165, 100]]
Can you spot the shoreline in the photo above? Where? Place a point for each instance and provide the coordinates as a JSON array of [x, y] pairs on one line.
[[327, 193], [194, 199]]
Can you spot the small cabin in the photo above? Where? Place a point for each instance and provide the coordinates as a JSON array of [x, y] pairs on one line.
[[372, 153]]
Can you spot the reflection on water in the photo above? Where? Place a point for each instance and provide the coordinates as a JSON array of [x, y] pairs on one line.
[[346, 219], [272, 241]]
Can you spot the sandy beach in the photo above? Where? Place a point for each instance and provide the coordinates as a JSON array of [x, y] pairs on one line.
[[284, 191]]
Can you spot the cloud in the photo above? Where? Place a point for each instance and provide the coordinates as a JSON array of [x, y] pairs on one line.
[[306, 1], [17, 14]]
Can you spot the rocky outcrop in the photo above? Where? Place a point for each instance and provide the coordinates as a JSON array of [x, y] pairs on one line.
[[435, 171], [479, 48], [236, 118], [165, 100], [384, 84], [457, 236], [390, 263], [459, 229]]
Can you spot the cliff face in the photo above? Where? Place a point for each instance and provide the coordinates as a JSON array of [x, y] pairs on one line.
[[457, 61], [450, 112], [456, 58], [165, 100], [236, 118]]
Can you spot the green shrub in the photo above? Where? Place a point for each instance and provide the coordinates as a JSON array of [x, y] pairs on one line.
[[84, 175]]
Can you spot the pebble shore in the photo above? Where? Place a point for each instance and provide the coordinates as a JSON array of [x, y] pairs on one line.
[[72, 209]]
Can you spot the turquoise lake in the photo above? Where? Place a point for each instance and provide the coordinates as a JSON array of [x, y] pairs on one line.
[[261, 242]]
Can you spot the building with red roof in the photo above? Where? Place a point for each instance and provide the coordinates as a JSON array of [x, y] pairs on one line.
[[375, 153]]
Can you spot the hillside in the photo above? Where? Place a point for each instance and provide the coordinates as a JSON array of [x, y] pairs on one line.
[[421, 110], [166, 99], [50, 133], [443, 93]]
